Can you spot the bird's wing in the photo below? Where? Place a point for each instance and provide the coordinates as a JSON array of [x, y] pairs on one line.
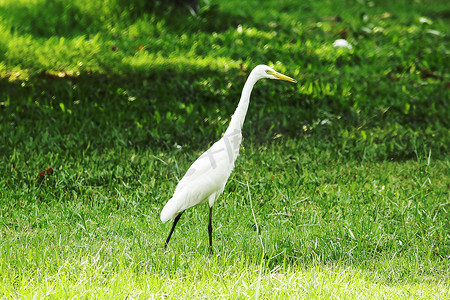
[[206, 176], [213, 166]]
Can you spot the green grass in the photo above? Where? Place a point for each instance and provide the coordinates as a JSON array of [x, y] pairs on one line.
[[327, 227], [341, 189]]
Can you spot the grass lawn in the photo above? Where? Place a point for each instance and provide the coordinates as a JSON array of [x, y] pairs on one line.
[[342, 187]]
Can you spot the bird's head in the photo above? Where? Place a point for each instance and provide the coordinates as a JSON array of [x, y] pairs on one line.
[[263, 71]]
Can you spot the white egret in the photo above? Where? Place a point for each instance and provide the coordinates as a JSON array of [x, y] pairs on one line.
[[205, 180]]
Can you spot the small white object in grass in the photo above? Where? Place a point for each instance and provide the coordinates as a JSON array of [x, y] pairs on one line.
[[341, 43], [178, 146], [325, 121], [433, 32], [424, 20]]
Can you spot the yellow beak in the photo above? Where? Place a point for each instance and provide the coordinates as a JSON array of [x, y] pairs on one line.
[[284, 77]]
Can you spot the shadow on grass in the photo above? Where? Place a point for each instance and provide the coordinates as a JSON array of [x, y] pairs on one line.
[[47, 18], [164, 108], [68, 19]]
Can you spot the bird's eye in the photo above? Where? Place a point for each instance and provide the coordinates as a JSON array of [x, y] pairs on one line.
[[270, 72]]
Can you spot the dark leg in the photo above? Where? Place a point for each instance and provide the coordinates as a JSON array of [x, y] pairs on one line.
[[210, 228], [173, 227]]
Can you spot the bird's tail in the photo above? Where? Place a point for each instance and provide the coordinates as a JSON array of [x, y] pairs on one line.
[[170, 210]]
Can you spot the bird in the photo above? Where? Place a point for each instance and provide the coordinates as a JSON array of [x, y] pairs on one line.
[[206, 178]]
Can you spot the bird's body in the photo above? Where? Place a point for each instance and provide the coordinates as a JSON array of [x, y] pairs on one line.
[[203, 181], [206, 178]]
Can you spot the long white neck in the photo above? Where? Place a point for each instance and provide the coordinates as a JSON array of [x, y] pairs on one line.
[[238, 118]]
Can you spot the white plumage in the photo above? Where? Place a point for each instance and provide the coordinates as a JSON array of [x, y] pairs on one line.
[[206, 178], [203, 181]]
